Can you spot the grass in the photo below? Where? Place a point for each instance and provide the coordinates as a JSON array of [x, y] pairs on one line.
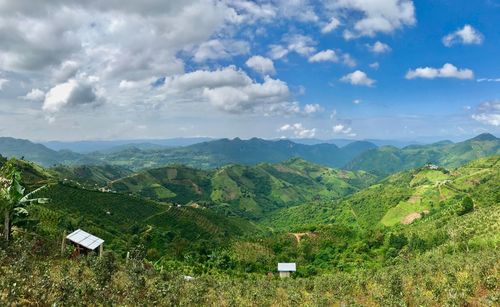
[[396, 214]]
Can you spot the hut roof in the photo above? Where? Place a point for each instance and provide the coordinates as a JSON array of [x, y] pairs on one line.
[[286, 267], [85, 239]]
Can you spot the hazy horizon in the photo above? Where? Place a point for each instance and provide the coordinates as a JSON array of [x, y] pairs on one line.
[[422, 139]]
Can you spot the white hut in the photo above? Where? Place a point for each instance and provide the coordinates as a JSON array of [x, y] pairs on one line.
[[84, 242], [285, 269]]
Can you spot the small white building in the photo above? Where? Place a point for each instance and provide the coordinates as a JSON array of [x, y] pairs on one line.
[[84, 242], [285, 269]]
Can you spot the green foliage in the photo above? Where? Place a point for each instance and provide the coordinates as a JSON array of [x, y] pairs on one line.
[[250, 191], [346, 251], [386, 160], [12, 195], [435, 278], [24, 149], [247, 152], [466, 206]]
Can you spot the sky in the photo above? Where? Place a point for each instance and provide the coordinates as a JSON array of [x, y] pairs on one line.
[[122, 69]]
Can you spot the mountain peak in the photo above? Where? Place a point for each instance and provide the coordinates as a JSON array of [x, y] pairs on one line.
[[484, 137]]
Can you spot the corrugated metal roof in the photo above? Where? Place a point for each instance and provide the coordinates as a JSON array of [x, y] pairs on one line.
[[286, 267], [84, 239]]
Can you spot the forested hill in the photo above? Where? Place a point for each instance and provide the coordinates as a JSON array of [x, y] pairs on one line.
[[358, 155], [221, 152], [403, 198], [250, 191], [403, 237], [18, 148], [386, 160]]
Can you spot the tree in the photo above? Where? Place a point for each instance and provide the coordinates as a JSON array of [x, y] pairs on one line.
[[12, 197], [466, 206]]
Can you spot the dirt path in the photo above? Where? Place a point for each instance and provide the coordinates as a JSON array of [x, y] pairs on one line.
[[298, 235], [441, 195], [157, 214]]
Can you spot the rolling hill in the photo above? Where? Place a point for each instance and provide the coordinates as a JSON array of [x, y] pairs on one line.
[[387, 159], [122, 220], [38, 153], [90, 176], [357, 155], [114, 145], [402, 198], [249, 152], [249, 191]]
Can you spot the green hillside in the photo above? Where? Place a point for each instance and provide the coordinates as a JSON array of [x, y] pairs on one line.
[[402, 198], [17, 148], [359, 248], [250, 191], [248, 152], [386, 160], [90, 175], [122, 220]]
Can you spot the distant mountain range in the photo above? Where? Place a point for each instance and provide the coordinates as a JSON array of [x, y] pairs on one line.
[[388, 159], [344, 142], [221, 152], [144, 144], [357, 155], [115, 145], [11, 147]]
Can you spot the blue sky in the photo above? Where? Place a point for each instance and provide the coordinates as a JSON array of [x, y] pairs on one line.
[[392, 69]]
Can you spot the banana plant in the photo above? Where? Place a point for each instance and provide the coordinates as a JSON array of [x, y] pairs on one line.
[[13, 200]]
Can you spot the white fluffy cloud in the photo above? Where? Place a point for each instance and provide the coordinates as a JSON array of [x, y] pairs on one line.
[[72, 93], [2, 83], [324, 56], [343, 129], [301, 44], [379, 47], [488, 113], [466, 36], [231, 90], [216, 49], [115, 36], [348, 60], [358, 77], [35, 95], [228, 76], [312, 108], [447, 71], [329, 55], [261, 65], [298, 130], [298, 43], [375, 65], [375, 16], [333, 24], [300, 10]]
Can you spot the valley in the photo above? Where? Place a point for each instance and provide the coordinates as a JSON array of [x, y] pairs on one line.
[[236, 221]]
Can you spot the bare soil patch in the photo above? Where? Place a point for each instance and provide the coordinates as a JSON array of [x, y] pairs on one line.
[[410, 218]]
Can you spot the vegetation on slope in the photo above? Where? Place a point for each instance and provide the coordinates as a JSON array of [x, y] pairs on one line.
[[419, 192], [24, 149], [351, 250], [250, 191], [386, 160], [30, 277], [248, 152], [90, 175]]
